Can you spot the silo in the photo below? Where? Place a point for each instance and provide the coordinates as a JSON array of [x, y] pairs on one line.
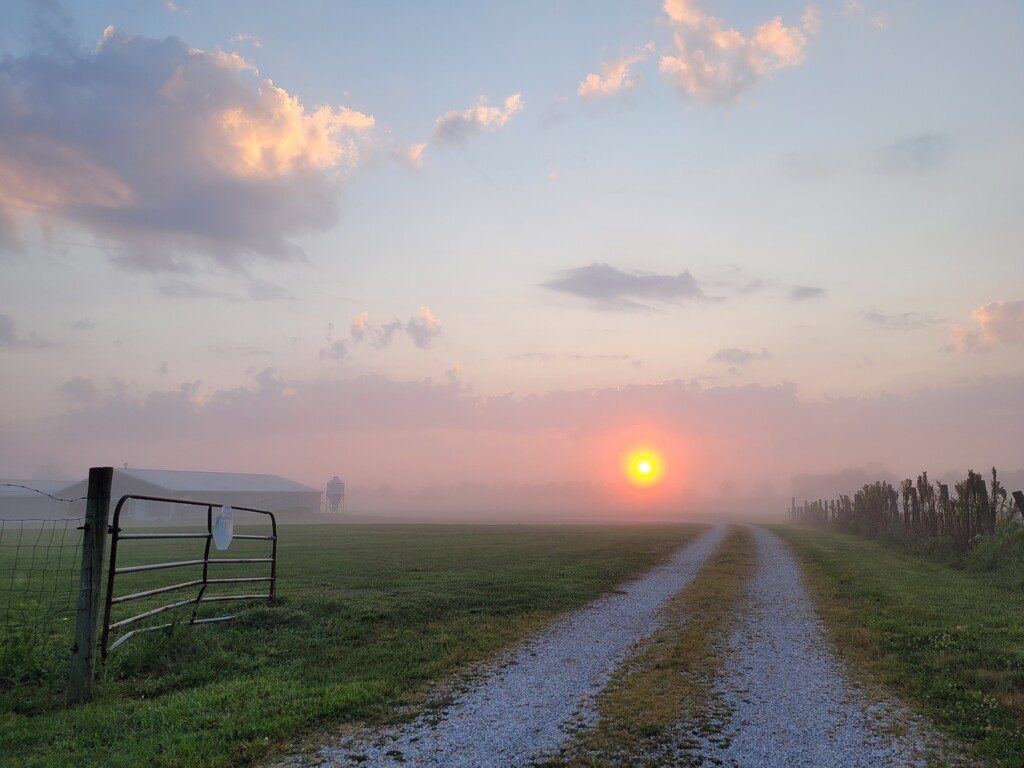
[[336, 495]]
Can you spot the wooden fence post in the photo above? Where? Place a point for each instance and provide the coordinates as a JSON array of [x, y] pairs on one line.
[[83, 652]]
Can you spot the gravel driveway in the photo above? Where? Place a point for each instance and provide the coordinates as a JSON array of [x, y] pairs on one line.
[[782, 697], [529, 703], [791, 702]]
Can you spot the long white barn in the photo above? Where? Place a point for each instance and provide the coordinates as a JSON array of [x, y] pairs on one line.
[[286, 498]]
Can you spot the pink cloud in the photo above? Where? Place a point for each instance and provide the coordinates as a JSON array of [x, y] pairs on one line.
[[455, 127], [615, 75], [716, 64], [999, 322], [1002, 322]]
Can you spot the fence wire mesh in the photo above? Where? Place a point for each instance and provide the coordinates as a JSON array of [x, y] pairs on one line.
[[39, 568]]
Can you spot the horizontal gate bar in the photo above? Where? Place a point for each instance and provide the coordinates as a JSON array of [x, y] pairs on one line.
[[154, 612], [225, 598], [185, 585], [158, 591], [184, 563], [249, 536], [127, 635]]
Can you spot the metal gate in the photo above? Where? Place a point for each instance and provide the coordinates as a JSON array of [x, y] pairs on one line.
[[200, 584]]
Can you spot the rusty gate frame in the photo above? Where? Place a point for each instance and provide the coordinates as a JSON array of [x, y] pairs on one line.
[[202, 583]]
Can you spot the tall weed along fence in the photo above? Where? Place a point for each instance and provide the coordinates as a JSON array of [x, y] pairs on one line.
[[51, 602], [922, 509]]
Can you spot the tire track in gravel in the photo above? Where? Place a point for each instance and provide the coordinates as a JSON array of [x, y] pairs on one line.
[[529, 703], [790, 702]]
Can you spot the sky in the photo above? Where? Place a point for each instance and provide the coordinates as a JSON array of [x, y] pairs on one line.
[[501, 246]]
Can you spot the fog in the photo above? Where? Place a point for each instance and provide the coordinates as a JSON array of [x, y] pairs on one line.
[[437, 451]]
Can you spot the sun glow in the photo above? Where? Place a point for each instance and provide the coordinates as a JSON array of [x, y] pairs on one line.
[[643, 467]]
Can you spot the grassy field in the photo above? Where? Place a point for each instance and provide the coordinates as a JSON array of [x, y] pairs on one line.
[[368, 616], [951, 642]]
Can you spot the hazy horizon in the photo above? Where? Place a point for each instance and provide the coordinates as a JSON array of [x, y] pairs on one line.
[[492, 247]]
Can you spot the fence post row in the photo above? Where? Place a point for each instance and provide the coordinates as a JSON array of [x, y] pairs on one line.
[[83, 652]]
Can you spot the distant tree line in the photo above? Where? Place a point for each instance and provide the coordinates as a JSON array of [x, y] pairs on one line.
[[921, 508]]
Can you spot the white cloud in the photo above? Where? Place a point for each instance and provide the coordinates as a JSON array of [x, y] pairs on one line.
[[615, 75], [852, 8], [455, 127], [713, 63], [163, 152]]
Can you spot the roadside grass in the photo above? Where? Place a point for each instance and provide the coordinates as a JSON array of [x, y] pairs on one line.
[[368, 617], [950, 642], [659, 704]]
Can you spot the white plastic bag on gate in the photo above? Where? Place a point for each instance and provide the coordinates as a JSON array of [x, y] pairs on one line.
[[223, 528]]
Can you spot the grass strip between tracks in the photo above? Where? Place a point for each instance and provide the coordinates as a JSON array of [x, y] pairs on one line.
[[660, 702]]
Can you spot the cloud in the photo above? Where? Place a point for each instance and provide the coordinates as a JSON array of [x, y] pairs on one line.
[[412, 156], [810, 20], [9, 336], [736, 356], [383, 335], [1002, 322], [416, 432], [914, 154], [963, 339], [852, 8], [456, 127], [903, 321], [336, 351], [615, 75], [358, 328], [611, 288], [716, 64], [423, 329], [804, 292], [165, 152], [80, 389], [999, 322], [184, 289], [243, 37], [379, 337], [880, 20]]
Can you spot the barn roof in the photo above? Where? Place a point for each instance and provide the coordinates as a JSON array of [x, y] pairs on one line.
[[184, 481]]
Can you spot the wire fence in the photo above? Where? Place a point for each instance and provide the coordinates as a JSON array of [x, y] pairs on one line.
[[40, 558]]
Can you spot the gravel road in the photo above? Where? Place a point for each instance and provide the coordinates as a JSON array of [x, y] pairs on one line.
[[529, 703], [791, 702]]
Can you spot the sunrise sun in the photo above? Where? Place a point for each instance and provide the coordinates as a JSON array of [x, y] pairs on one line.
[[643, 467]]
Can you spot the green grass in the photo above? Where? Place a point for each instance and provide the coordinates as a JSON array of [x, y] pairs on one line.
[[368, 617], [950, 642], [660, 701]]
